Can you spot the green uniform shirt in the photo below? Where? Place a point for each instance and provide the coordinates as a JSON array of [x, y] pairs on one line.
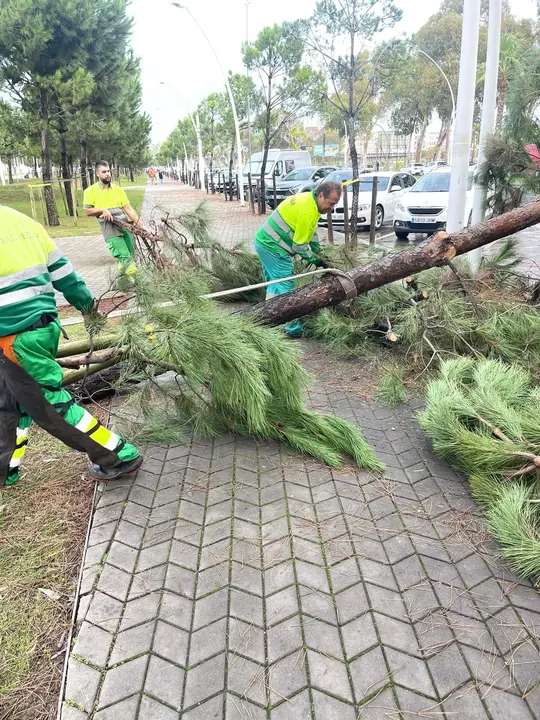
[[111, 198], [290, 229], [31, 269]]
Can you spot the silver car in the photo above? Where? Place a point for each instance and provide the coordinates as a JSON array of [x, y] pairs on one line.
[[297, 181]]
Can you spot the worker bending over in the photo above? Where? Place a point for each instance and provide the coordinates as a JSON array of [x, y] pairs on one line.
[[106, 200], [290, 230], [31, 269]]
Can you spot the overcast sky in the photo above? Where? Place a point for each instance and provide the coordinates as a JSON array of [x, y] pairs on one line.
[[178, 69]]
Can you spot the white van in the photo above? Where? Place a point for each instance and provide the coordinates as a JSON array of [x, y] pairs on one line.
[[278, 163]]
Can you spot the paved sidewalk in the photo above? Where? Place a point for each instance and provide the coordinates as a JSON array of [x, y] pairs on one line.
[[235, 579]]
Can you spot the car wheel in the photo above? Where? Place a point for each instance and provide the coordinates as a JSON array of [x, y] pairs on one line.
[[402, 235], [379, 217]]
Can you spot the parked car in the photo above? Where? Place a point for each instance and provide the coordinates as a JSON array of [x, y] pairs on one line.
[[297, 181], [428, 167], [391, 186], [414, 169], [425, 207]]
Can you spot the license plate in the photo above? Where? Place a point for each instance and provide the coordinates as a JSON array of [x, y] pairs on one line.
[[423, 220]]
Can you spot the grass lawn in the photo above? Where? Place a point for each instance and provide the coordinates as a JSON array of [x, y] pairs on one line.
[[17, 196]]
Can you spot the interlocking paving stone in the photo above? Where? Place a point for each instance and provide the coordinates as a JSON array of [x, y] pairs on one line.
[[123, 680], [230, 574], [82, 684]]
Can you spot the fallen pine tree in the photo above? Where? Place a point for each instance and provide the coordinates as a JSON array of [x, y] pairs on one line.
[[227, 373], [483, 416], [439, 251]]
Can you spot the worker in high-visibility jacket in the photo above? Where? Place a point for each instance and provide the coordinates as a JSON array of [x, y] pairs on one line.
[[291, 230], [31, 269]]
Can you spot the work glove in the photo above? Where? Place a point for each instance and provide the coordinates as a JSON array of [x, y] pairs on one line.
[[94, 321], [322, 263]]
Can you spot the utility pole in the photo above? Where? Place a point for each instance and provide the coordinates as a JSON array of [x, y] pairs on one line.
[[464, 117], [248, 3], [489, 113]]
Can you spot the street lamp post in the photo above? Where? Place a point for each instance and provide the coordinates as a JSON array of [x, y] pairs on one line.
[[489, 113], [464, 117], [231, 99], [453, 120], [197, 128]]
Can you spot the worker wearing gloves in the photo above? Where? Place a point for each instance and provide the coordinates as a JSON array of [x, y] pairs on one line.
[[31, 269], [105, 200], [289, 231]]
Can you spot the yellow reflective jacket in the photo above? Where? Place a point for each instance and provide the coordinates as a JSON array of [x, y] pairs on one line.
[[31, 269], [291, 228]]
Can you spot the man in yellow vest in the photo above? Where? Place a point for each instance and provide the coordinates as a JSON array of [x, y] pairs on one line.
[[290, 230], [31, 269], [105, 200]]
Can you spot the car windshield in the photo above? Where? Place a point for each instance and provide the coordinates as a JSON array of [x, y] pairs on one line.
[[254, 167], [438, 182], [366, 184], [339, 176], [299, 175]]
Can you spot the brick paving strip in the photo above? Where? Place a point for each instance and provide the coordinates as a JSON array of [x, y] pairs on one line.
[[233, 579]]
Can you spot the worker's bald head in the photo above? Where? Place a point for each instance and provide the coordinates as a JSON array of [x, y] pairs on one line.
[[328, 194]]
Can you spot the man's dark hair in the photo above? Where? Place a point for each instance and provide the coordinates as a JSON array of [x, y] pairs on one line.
[[101, 163], [327, 188]]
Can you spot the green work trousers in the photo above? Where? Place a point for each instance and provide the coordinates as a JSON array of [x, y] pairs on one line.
[[123, 249], [30, 389]]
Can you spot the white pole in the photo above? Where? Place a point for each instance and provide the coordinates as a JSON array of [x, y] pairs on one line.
[[489, 113], [464, 116], [2, 173], [178, 168], [231, 99], [248, 3], [197, 127]]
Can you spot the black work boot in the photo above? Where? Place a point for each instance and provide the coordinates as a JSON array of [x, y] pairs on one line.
[[125, 468]]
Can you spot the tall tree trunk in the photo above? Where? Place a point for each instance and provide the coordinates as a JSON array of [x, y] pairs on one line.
[[440, 140], [91, 174], [36, 173], [420, 141], [10, 169], [266, 147], [131, 175], [501, 102], [64, 162], [409, 146], [355, 188], [84, 164], [46, 164]]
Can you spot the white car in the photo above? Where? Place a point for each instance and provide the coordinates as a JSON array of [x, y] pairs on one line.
[[391, 186], [414, 169], [425, 207], [430, 166]]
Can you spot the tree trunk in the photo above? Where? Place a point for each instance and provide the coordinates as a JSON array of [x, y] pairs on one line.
[[36, 173], [355, 188], [64, 162], [266, 147], [131, 175], [10, 169], [84, 163], [46, 164], [409, 146], [440, 140], [420, 142], [501, 102], [91, 174], [436, 253]]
